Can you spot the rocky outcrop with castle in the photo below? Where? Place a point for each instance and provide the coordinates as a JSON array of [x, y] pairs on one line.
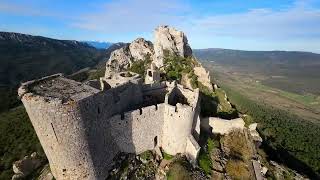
[[82, 126], [87, 128]]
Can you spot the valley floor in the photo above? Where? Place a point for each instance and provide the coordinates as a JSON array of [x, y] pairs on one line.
[[252, 85]]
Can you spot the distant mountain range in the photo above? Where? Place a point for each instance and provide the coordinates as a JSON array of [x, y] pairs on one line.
[[99, 44], [271, 62]]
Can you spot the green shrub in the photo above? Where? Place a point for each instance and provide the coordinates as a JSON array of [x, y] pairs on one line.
[[178, 171], [166, 156], [147, 155], [205, 162], [140, 66], [204, 158], [175, 66]]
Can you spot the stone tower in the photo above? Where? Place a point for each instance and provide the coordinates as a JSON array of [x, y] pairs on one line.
[[153, 75], [83, 126], [71, 122]]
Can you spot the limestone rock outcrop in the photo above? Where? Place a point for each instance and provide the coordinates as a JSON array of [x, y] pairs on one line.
[[26, 166], [119, 60], [122, 58], [139, 48], [222, 126], [166, 38], [254, 134], [172, 40], [203, 76]]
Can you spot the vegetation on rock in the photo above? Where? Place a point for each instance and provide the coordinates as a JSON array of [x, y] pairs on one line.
[[175, 66], [141, 66]]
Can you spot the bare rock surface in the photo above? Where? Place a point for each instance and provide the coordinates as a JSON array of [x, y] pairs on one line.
[[203, 76], [26, 166], [254, 134], [139, 48], [172, 40], [166, 38], [121, 59]]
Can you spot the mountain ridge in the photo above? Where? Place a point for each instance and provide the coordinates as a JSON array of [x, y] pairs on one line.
[[227, 49]]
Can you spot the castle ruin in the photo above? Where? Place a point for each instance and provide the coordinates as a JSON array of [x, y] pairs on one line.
[[83, 126]]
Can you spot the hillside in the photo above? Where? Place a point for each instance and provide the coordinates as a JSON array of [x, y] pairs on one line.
[[25, 57], [296, 72], [279, 90]]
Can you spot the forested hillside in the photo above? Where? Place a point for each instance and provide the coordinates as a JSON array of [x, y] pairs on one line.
[[24, 57]]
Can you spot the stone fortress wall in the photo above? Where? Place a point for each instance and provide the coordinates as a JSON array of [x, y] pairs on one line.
[[82, 128]]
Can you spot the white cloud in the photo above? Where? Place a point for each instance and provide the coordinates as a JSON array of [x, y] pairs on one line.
[[133, 15], [300, 21], [294, 22], [298, 24]]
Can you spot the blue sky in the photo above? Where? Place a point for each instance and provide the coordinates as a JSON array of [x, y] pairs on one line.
[[233, 24]]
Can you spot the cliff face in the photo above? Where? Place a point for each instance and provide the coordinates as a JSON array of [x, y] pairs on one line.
[[172, 40], [122, 58]]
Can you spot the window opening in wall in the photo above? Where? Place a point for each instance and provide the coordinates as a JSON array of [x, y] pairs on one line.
[[155, 140], [149, 73], [54, 132]]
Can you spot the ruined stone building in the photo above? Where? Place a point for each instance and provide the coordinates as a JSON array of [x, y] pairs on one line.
[[82, 126]]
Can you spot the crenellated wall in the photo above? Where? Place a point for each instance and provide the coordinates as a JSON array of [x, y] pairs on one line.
[[82, 128], [177, 126], [179, 119], [139, 130]]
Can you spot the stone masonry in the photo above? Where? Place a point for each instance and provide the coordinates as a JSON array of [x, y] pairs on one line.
[[82, 128]]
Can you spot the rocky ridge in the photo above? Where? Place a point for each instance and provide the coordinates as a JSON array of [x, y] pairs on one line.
[[167, 41], [172, 40], [122, 58]]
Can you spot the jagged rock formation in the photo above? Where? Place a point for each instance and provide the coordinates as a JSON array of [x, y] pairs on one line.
[[172, 40], [139, 48], [121, 59], [203, 76], [166, 40]]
